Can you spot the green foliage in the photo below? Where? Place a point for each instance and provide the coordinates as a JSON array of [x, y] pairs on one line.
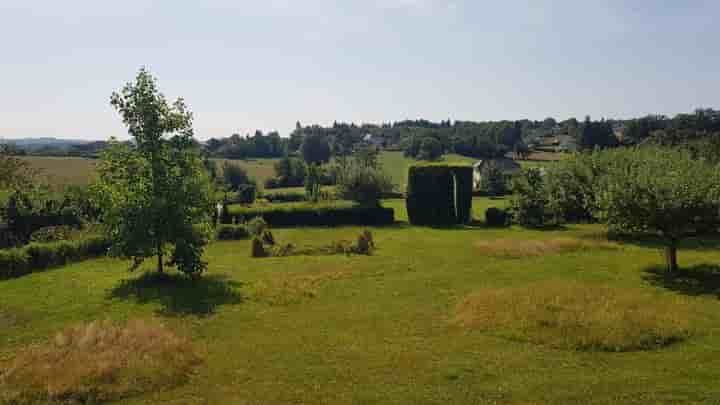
[[247, 193], [430, 149], [34, 257], [155, 194], [496, 217], [571, 185], [660, 191], [529, 206], [52, 234], [290, 172], [232, 232], [312, 183], [236, 177], [289, 196], [315, 149], [494, 182], [439, 194], [256, 226], [257, 248], [363, 183], [15, 173], [323, 214]]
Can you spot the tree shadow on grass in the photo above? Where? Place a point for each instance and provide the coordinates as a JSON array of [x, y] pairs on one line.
[[697, 243], [702, 279], [180, 295]]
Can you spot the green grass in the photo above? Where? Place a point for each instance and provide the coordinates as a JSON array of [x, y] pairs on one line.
[[379, 329]]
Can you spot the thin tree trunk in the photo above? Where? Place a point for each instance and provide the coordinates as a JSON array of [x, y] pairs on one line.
[[671, 256], [160, 259]]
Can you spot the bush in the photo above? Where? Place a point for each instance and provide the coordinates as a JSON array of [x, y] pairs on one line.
[[496, 217], [235, 176], [232, 232], [439, 194], [52, 234], [529, 206], [363, 184], [247, 193], [290, 196], [304, 214], [256, 226], [33, 257], [257, 248]]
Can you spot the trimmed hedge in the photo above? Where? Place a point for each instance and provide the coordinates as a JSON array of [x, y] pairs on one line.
[[35, 257], [439, 194], [306, 214], [232, 232], [292, 196], [496, 217]]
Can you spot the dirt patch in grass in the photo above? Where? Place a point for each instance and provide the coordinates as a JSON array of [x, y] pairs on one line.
[[285, 289], [97, 362], [520, 248], [578, 316]]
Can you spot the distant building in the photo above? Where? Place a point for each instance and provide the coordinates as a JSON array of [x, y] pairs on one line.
[[375, 140], [481, 168]]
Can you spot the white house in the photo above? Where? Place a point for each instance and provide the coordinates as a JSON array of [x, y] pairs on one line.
[[506, 166], [371, 139]]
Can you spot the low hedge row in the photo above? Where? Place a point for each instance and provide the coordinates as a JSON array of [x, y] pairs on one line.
[[285, 197], [232, 232], [306, 214], [35, 257]]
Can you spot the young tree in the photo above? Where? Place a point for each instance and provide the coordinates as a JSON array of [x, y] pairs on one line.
[[315, 149], [235, 177], [155, 194], [430, 149], [660, 191]]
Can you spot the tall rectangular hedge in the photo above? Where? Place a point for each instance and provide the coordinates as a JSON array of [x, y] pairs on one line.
[[439, 194], [306, 214]]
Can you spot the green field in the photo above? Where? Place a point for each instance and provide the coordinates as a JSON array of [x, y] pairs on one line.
[[380, 329]]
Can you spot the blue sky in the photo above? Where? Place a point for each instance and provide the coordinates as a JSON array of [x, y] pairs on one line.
[[266, 64]]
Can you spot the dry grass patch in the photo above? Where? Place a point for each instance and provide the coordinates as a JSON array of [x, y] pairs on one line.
[[285, 289], [520, 248], [577, 316], [97, 362]]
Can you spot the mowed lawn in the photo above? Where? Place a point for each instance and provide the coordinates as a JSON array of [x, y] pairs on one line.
[[378, 329]]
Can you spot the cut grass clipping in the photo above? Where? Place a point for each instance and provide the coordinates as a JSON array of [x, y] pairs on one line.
[[96, 362], [577, 316], [519, 248]]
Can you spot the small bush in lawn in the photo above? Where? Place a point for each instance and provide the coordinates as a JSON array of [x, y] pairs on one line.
[[98, 362], [365, 243], [496, 217], [256, 226], [579, 316], [268, 238], [257, 248]]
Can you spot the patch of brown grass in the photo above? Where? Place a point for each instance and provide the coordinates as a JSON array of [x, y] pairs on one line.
[[578, 316], [289, 289], [520, 248], [96, 362]]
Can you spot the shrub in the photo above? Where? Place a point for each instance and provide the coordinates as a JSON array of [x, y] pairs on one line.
[[232, 232], [496, 217], [285, 197], [363, 184], [257, 248], [439, 194], [235, 176], [324, 214], [365, 243], [529, 206], [52, 234], [579, 316], [98, 362], [33, 257], [256, 226], [268, 238], [247, 193]]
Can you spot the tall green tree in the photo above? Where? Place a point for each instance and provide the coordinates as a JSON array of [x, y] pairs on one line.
[[155, 193], [660, 191], [315, 149]]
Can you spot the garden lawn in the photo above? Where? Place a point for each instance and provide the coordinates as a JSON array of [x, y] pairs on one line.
[[379, 329]]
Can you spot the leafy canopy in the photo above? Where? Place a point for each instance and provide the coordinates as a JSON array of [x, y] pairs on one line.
[[155, 194]]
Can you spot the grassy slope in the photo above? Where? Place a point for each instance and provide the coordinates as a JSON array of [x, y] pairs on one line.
[[345, 330]]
